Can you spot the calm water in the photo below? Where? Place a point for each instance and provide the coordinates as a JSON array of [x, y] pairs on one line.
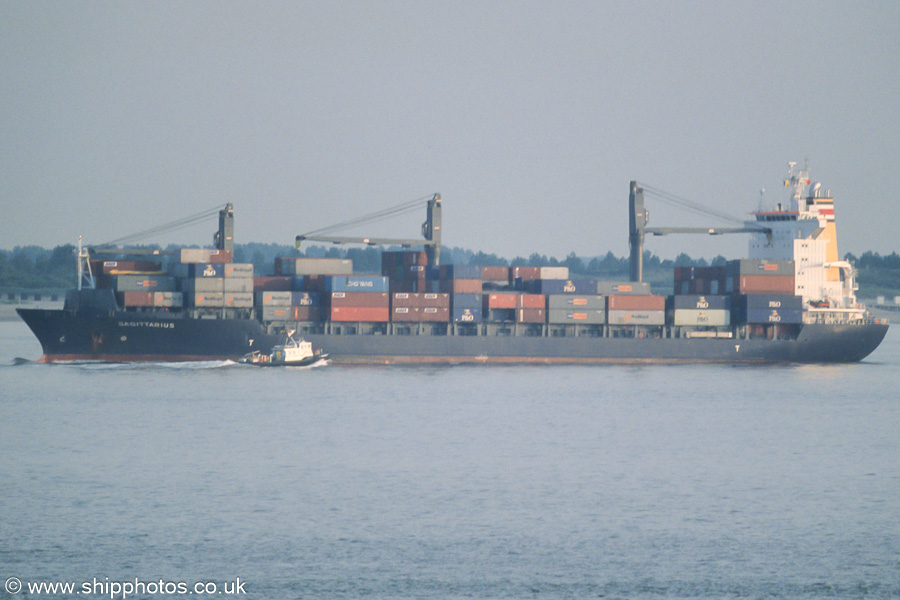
[[454, 482]]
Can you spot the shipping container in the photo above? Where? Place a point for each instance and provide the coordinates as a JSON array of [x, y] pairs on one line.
[[127, 267], [203, 255], [307, 313], [771, 301], [500, 315], [239, 299], [575, 302], [765, 284], [757, 315], [636, 303], [238, 284], [393, 258], [272, 284], [461, 286], [460, 314], [274, 298], [305, 299], [359, 299], [137, 298], [360, 313], [584, 316], [492, 301], [277, 313], [419, 300], [466, 301], [357, 283], [211, 284], [553, 273], [525, 273], [242, 270], [168, 299], [702, 317], [313, 266], [561, 286], [140, 283], [531, 315], [701, 302], [415, 286], [205, 299], [498, 274], [636, 317], [744, 267], [410, 314], [622, 287], [198, 270]]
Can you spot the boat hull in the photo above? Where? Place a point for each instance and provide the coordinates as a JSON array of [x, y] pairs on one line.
[[130, 337]]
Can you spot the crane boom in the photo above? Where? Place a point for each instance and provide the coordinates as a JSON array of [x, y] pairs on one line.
[[638, 217], [431, 232]]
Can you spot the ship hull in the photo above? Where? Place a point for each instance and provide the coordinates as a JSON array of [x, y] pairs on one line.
[[130, 337]]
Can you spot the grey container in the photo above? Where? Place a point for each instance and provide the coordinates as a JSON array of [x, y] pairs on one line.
[[623, 287], [707, 318], [746, 266], [238, 284], [143, 283], [575, 302], [205, 299], [239, 299], [636, 317], [267, 298], [208, 284], [277, 313], [239, 270], [556, 316]]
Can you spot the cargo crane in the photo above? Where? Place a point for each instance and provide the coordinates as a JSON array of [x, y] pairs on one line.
[[431, 229], [223, 239], [638, 217]]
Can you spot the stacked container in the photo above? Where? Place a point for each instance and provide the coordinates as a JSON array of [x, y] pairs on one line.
[[699, 310], [409, 307], [700, 280], [363, 298], [636, 310], [568, 309]]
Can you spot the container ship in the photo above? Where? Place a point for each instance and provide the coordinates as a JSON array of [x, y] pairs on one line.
[[791, 300]]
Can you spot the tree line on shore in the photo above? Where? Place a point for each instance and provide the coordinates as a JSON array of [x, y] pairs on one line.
[[34, 267]]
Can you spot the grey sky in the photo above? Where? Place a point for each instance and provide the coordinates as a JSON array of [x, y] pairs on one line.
[[530, 118]]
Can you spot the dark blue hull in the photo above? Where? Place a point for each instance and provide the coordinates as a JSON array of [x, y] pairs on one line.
[[155, 336]]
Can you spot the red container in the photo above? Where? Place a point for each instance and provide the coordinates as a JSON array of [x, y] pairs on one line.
[[360, 313], [405, 314], [636, 302], [137, 298], [420, 300], [360, 299], [220, 256], [306, 313], [766, 284], [461, 286], [494, 301], [525, 273], [495, 274], [531, 315], [272, 284], [533, 301]]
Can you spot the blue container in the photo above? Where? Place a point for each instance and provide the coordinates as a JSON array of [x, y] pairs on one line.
[[199, 270], [465, 315], [357, 283], [460, 272], [701, 302], [561, 286], [305, 299], [466, 301], [772, 302], [759, 315]]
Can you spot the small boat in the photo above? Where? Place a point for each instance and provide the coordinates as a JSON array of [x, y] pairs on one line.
[[293, 353]]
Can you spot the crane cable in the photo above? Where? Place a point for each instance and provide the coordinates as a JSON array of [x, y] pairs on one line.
[[387, 213], [165, 227], [690, 205]]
